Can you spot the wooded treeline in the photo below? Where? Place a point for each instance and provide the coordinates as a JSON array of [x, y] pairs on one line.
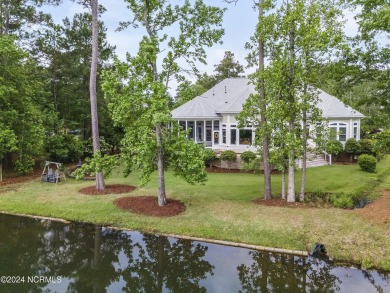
[[45, 74]]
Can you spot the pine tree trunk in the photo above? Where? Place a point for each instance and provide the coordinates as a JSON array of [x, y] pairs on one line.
[[263, 121], [92, 89], [1, 172]]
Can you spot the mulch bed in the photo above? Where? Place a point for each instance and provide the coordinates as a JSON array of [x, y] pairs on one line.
[[148, 205], [110, 189], [19, 179]]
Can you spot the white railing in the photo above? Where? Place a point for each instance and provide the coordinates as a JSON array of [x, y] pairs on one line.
[[328, 155]]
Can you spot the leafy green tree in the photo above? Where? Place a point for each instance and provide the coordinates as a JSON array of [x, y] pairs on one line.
[[17, 17], [137, 89], [228, 67], [67, 49], [20, 117]]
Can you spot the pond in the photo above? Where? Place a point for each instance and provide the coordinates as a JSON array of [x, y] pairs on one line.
[[47, 256]]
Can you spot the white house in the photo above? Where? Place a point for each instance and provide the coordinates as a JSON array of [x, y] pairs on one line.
[[211, 116]]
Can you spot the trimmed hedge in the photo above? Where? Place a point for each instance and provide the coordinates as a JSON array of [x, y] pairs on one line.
[[352, 147], [229, 156], [367, 146], [248, 156], [367, 163]]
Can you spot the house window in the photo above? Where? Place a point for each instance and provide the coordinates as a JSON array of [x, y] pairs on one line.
[[338, 131], [245, 136], [182, 124], [355, 130], [233, 136], [216, 125], [223, 135], [342, 133]]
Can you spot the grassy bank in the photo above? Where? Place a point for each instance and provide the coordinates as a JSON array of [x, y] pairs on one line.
[[223, 209]]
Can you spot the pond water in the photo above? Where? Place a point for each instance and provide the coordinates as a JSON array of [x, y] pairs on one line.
[[45, 256]]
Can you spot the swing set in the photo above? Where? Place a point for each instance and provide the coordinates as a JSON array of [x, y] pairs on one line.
[[50, 175]]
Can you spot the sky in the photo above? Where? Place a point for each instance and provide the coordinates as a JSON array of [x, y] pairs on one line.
[[239, 23]]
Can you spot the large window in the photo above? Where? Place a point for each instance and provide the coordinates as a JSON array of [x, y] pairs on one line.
[[245, 136], [224, 135], [233, 136], [338, 131]]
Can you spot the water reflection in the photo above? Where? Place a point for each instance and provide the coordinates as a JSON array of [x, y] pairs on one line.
[[286, 273], [91, 258]]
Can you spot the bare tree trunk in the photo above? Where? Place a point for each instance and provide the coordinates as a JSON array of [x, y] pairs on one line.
[[1, 172], [92, 89], [284, 183], [291, 155], [304, 158], [263, 121], [162, 200]]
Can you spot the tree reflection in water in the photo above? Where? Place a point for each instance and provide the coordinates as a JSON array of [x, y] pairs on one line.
[[162, 265], [96, 259]]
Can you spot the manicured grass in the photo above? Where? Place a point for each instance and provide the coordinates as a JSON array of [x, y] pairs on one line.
[[223, 209]]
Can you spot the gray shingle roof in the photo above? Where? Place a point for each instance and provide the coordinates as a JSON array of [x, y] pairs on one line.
[[230, 94], [332, 107]]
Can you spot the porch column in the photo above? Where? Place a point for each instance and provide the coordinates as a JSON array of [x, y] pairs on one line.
[[204, 131], [212, 133], [195, 132]]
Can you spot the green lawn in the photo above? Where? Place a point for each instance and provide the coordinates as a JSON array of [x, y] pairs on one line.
[[222, 209]]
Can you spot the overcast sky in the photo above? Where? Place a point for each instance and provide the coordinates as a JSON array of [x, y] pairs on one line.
[[239, 23]]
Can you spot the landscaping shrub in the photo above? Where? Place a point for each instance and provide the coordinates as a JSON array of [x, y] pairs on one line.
[[253, 166], [367, 146], [352, 147], [209, 156], [248, 156], [229, 156], [342, 200], [334, 147], [367, 163]]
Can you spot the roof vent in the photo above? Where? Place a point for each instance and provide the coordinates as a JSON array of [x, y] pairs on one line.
[[225, 89], [213, 93]]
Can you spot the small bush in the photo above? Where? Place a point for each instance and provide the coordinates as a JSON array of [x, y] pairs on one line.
[[229, 156], [367, 163], [367, 146], [352, 147], [342, 200], [253, 166], [209, 156], [248, 156], [334, 147]]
